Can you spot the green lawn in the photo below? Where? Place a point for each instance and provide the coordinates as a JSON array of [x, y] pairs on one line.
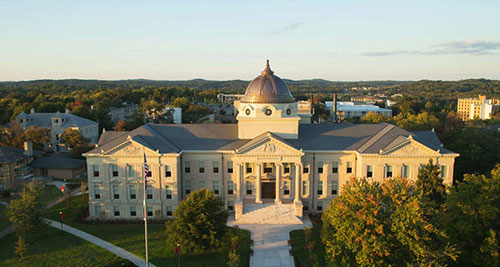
[[49, 193], [4, 222], [301, 251], [131, 238], [51, 247]]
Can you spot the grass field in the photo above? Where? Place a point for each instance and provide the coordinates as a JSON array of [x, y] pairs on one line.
[[49, 193], [301, 251], [131, 238], [51, 247]]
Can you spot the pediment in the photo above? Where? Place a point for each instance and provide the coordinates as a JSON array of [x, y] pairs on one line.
[[130, 148], [268, 145], [410, 148]]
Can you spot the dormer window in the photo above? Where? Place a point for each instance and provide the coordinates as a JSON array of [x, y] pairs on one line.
[[268, 112], [56, 120]]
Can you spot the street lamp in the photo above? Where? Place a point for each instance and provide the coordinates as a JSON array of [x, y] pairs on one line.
[[177, 251], [60, 219]]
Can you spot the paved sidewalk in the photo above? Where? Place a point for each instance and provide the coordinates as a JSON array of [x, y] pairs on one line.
[[270, 243], [101, 243]]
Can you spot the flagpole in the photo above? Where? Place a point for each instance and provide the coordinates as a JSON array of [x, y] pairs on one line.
[[146, 170]]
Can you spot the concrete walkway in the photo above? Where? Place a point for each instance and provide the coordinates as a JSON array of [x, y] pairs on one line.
[[101, 243], [270, 243]]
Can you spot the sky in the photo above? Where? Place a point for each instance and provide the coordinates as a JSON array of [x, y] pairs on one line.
[[340, 40]]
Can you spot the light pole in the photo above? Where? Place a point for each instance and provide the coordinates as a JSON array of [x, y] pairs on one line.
[[179, 254], [60, 219]]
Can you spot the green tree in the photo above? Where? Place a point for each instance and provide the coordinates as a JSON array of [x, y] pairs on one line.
[[373, 224], [73, 138], [181, 102], [373, 117], [25, 213], [430, 184], [472, 218], [21, 247], [200, 222]]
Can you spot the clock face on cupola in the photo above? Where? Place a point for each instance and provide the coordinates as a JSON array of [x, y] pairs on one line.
[[267, 106]]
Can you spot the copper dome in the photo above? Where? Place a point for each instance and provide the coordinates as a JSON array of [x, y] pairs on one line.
[[267, 88]]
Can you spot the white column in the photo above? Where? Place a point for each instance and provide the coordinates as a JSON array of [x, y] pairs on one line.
[[278, 183], [257, 184], [239, 173], [298, 173]]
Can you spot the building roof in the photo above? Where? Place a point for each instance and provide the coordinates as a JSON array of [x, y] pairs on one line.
[[44, 120], [351, 106], [364, 138], [57, 162], [12, 154], [267, 88]]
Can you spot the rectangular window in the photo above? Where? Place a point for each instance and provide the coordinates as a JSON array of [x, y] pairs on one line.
[[305, 169], [230, 205], [304, 188], [320, 167], [405, 171], [149, 191], [320, 187], [335, 187], [349, 167], [444, 172], [132, 191], [248, 167], [187, 187], [168, 191], [187, 167], [116, 191], [202, 167], [335, 167], [97, 191], [133, 211], [388, 171], [229, 167], [149, 211], [268, 167], [130, 171], [286, 168], [116, 211], [168, 172], [169, 210], [95, 168], [216, 187], [114, 170], [97, 211], [369, 171], [286, 187], [319, 206], [216, 166], [305, 205], [249, 187], [230, 186], [201, 184]]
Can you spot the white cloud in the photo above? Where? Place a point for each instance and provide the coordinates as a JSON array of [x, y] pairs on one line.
[[447, 48]]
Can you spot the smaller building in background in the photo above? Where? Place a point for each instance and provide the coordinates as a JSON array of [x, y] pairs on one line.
[[367, 99], [304, 111], [176, 114], [123, 113], [228, 98], [481, 108], [58, 166], [58, 123], [348, 109], [14, 165]]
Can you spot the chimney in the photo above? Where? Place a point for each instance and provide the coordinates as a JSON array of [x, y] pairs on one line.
[[32, 110], [66, 110], [334, 108], [28, 148], [312, 107]]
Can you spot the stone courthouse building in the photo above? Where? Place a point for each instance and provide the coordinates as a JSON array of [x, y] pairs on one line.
[[268, 157]]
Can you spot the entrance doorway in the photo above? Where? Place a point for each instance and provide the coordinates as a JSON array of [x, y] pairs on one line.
[[269, 190]]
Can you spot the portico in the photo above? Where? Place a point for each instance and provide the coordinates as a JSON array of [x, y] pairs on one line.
[[268, 170]]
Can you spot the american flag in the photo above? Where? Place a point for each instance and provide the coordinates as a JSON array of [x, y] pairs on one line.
[[146, 172]]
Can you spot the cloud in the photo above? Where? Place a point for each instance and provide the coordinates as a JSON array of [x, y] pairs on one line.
[[289, 27], [448, 48]]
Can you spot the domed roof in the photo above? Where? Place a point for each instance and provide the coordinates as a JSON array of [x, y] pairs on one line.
[[267, 88]]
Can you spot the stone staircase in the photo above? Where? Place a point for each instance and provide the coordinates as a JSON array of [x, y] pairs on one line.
[[268, 214]]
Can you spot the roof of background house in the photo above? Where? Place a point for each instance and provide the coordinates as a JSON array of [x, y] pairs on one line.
[[364, 138], [57, 161], [45, 119], [12, 154]]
